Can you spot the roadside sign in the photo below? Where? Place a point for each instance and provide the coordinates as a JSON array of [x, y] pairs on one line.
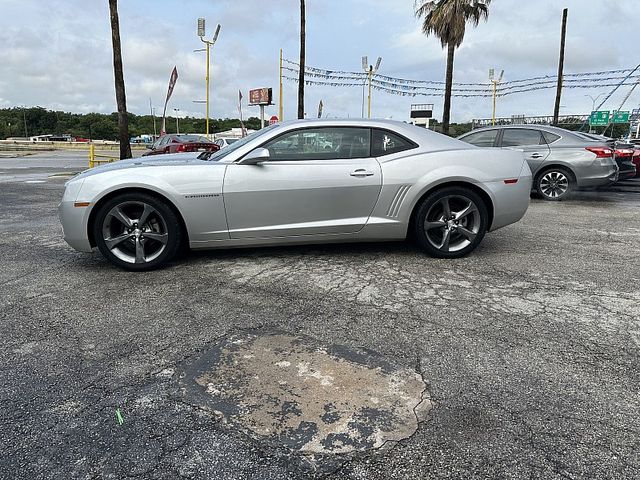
[[273, 119], [635, 115], [599, 118], [620, 117]]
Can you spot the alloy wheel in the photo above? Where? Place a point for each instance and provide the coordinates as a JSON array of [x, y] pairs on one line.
[[452, 223], [554, 184], [135, 232]]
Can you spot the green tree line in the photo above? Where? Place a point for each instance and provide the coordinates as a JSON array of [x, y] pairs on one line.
[[99, 126]]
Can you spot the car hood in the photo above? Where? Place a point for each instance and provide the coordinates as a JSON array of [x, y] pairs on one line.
[[169, 160]]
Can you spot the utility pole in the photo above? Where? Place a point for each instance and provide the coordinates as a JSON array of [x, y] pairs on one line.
[[280, 104], [495, 91], [209, 44], [24, 115], [302, 60], [563, 37]]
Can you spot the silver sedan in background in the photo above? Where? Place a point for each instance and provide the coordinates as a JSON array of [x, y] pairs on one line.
[[560, 160], [301, 182]]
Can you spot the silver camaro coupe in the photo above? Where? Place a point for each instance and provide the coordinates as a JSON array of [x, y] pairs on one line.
[[310, 181]]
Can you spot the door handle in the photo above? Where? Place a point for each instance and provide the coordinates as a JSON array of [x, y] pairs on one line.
[[361, 172], [536, 155]]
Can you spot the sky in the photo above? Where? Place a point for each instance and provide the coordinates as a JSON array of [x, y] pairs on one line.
[[57, 53]]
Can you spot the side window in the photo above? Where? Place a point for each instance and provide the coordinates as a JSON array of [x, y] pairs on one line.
[[517, 137], [163, 141], [550, 137], [386, 143], [486, 138], [320, 144]]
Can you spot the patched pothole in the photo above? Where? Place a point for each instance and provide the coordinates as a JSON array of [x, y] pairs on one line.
[[321, 402]]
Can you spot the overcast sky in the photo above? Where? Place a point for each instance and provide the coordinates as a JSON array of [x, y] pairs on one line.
[[57, 53]]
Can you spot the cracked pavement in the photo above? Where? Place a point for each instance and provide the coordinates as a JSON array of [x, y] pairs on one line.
[[529, 347]]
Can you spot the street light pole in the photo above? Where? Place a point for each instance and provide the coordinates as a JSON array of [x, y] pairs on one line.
[[209, 44], [593, 106], [495, 91], [177, 124], [370, 70]]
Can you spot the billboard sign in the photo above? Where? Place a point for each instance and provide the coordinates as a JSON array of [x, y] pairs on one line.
[[260, 96]]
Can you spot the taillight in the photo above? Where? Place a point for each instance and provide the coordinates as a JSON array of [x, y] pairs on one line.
[[180, 148], [624, 152], [601, 152]]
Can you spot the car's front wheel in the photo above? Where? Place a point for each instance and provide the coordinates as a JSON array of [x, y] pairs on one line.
[[137, 231], [451, 222], [554, 184]]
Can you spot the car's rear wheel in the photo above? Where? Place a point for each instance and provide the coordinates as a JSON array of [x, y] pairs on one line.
[[137, 231], [554, 184], [451, 222]]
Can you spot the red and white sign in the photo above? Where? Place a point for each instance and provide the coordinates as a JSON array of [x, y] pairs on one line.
[[260, 96], [273, 119]]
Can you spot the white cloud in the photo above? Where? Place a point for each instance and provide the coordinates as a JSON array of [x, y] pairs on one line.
[[60, 56]]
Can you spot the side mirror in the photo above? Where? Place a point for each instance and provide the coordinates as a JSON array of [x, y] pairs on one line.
[[255, 157]]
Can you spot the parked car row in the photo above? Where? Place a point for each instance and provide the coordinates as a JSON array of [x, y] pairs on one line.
[[181, 144], [561, 160]]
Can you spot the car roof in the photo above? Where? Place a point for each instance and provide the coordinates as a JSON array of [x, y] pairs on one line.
[[422, 136], [545, 128]]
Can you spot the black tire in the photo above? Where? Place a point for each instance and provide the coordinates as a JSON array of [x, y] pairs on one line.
[[465, 230], [133, 246], [554, 184]]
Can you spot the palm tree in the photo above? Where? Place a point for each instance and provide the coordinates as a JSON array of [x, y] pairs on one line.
[[302, 55], [447, 20], [121, 99]]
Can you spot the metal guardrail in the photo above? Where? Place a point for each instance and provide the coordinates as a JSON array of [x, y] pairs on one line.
[[96, 159]]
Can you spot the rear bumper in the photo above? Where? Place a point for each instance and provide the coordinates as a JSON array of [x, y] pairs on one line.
[[511, 201], [605, 176]]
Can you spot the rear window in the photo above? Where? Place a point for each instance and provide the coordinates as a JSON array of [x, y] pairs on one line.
[[516, 137], [550, 137], [486, 138], [386, 143], [192, 138]]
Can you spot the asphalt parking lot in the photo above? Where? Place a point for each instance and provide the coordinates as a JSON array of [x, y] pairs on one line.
[[528, 350]]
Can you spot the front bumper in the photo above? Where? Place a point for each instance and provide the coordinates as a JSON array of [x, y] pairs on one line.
[[74, 219]]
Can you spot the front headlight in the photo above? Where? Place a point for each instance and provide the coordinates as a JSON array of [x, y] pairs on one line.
[[72, 189]]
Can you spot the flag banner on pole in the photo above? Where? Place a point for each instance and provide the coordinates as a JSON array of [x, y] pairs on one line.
[[244, 130], [320, 105], [172, 83]]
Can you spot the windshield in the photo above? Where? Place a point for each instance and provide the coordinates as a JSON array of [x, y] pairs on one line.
[[223, 152]]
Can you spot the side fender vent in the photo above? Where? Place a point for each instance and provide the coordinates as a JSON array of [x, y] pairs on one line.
[[398, 198]]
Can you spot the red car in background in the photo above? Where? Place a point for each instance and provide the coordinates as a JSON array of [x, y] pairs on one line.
[[181, 143], [636, 160]]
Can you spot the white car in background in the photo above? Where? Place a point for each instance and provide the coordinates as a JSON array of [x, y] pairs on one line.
[[225, 141]]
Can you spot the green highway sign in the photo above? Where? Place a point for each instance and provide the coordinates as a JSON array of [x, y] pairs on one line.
[[599, 118], [620, 117]]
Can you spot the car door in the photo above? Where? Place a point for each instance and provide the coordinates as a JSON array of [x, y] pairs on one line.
[[529, 140], [317, 181]]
